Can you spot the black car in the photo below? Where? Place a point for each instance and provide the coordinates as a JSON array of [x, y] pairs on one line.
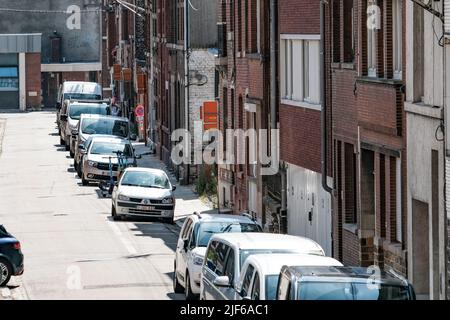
[[11, 257], [341, 283]]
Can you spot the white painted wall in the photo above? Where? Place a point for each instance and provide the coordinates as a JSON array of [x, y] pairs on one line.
[[304, 193]]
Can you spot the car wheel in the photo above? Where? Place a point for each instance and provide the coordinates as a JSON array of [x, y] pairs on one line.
[[84, 181], [5, 272], [189, 294], [79, 172], [114, 215], [177, 287], [169, 220], [67, 147], [61, 141], [72, 154]]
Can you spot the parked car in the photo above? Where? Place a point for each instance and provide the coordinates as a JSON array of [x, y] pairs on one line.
[[78, 90], [11, 257], [341, 283], [143, 192], [192, 242], [91, 124], [102, 151], [260, 272], [85, 146], [70, 120], [227, 253]]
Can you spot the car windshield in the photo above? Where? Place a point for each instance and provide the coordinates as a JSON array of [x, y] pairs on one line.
[[107, 126], [204, 231], [76, 111], [145, 179], [271, 287], [81, 96], [351, 291], [244, 254], [111, 148]]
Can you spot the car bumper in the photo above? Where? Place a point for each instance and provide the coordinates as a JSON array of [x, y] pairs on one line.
[[153, 210], [17, 262], [93, 174]]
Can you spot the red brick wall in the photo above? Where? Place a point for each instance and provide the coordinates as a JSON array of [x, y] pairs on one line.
[[33, 78], [299, 16], [75, 76], [300, 138]]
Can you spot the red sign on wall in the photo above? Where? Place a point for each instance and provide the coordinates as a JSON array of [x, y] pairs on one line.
[[209, 115]]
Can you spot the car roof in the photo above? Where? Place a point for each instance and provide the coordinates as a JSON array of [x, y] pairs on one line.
[[271, 264], [219, 217], [98, 116], [110, 139], [81, 87], [83, 103], [342, 274], [140, 169], [270, 241]]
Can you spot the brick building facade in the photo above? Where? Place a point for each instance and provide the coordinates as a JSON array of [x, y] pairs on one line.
[[369, 133]]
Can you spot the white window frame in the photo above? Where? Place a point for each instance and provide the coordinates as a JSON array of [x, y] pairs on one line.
[[303, 98], [397, 29], [372, 44]]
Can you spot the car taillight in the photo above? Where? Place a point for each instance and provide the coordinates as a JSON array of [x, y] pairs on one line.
[[16, 245]]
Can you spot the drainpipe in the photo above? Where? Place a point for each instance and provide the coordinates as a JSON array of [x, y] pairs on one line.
[[324, 131], [186, 84]]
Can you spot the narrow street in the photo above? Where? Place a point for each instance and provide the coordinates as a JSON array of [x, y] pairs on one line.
[[73, 250]]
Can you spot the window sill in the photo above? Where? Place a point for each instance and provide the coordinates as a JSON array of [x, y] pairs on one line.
[[303, 104], [348, 65], [368, 79], [351, 227]]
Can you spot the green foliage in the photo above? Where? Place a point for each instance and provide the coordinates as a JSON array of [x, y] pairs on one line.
[[207, 180]]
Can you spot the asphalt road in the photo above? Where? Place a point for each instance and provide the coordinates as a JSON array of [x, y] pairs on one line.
[[73, 250]]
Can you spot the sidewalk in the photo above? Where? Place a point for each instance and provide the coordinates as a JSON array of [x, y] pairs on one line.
[[187, 201]]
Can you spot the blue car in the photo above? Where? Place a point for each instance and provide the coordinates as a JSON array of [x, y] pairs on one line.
[[11, 257]]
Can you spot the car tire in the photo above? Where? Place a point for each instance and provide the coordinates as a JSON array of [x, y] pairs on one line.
[[5, 272], [72, 154], [188, 291], [67, 147], [79, 172], [177, 287], [169, 220], [84, 182], [114, 215], [61, 141]]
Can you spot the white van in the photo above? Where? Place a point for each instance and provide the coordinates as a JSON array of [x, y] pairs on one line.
[[75, 90], [227, 253]]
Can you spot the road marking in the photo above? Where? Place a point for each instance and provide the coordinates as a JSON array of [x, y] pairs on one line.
[[126, 242]]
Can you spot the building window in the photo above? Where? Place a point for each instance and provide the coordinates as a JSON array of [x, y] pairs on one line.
[[349, 40], [373, 24], [397, 38], [300, 70]]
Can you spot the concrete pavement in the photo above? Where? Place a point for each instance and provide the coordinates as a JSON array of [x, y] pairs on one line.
[[73, 250]]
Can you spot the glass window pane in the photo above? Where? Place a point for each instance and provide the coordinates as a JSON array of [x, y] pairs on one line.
[[8, 72]]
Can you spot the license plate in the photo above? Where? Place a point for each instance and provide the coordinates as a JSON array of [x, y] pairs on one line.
[[145, 208]]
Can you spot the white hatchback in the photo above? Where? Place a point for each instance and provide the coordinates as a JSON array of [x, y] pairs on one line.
[[259, 275]]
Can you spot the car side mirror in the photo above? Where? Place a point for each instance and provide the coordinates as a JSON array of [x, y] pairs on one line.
[[133, 137], [63, 117], [74, 133], [223, 281], [247, 298], [174, 188]]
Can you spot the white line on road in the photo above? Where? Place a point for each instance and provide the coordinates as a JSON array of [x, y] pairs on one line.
[[126, 242]]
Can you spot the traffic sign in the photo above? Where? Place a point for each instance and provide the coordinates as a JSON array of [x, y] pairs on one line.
[[140, 111]]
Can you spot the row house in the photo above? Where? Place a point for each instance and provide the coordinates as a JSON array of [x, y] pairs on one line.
[[182, 73], [426, 106], [243, 64], [369, 133]]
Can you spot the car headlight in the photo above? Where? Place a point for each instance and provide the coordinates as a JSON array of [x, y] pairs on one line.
[[167, 201], [123, 198], [198, 260], [92, 163]]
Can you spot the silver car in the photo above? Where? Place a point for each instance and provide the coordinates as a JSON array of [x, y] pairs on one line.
[[143, 192], [103, 153]]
